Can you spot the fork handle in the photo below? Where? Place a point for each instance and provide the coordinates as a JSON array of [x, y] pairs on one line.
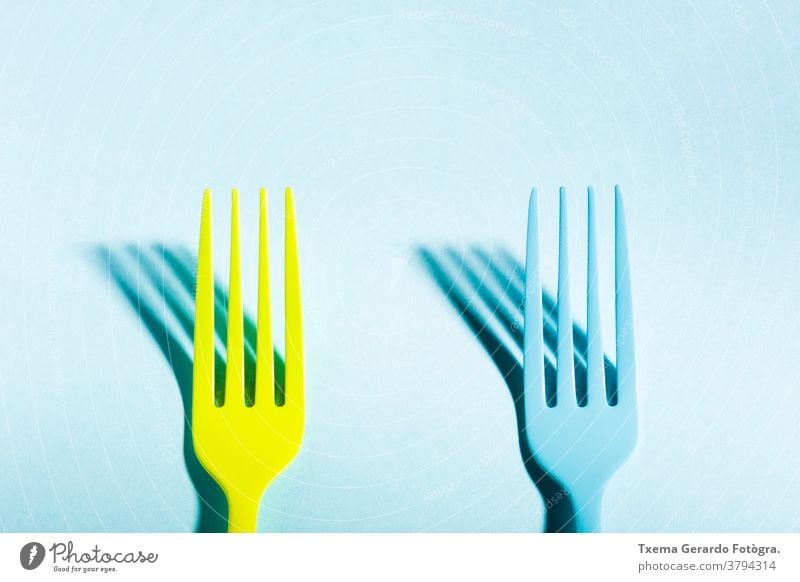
[[242, 512], [588, 511]]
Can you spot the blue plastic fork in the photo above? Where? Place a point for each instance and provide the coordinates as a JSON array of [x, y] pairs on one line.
[[581, 446]]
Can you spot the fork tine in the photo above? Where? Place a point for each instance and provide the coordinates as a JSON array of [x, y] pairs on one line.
[[565, 371], [295, 397], [265, 381], [203, 369], [626, 361], [533, 346], [595, 377], [234, 374]]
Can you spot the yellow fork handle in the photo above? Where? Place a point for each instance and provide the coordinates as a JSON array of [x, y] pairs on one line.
[[242, 513]]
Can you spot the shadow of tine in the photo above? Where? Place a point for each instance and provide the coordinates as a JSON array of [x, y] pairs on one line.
[[559, 513], [212, 503], [492, 301]]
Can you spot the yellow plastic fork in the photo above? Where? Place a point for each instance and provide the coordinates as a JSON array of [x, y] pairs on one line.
[[244, 446]]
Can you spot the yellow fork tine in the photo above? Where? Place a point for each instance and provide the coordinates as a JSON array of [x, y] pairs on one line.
[[265, 382], [234, 373], [295, 397], [203, 373]]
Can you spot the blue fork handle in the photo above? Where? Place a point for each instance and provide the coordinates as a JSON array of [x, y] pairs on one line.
[[588, 510]]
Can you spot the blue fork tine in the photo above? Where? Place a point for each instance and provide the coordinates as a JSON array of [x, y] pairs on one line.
[[626, 360], [595, 373], [565, 372], [533, 355]]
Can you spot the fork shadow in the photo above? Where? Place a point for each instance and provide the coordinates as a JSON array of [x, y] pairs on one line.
[[462, 278], [168, 273]]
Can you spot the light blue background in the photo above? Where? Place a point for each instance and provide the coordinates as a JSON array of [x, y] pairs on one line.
[[401, 124]]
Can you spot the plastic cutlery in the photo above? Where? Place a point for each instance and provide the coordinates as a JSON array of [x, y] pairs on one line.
[[580, 445], [245, 445]]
